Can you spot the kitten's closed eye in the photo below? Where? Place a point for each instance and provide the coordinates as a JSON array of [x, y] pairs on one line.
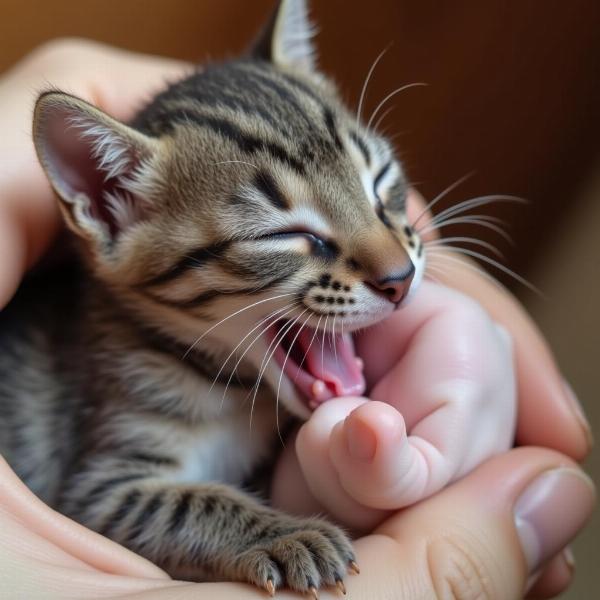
[[320, 247]]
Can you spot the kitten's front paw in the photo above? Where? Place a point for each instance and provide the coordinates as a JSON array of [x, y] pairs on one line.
[[305, 554]]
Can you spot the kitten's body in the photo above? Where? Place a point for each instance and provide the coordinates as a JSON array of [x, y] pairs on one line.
[[82, 376], [243, 194]]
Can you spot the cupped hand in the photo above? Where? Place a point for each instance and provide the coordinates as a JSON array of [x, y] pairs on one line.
[[117, 81], [494, 534]]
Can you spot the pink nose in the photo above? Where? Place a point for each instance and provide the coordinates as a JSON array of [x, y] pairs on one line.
[[394, 286]]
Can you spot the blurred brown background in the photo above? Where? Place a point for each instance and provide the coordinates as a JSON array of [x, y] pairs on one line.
[[513, 94]]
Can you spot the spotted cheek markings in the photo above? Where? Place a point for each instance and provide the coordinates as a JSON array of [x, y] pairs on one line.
[[413, 241], [330, 297]]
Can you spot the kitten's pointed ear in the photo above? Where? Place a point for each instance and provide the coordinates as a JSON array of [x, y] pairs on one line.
[[98, 166], [286, 40]]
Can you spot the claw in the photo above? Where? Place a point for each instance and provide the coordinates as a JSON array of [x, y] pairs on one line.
[[353, 567], [313, 592], [340, 586], [270, 587]]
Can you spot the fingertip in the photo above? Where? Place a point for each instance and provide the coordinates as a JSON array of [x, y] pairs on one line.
[[554, 579], [360, 438], [370, 429], [372, 426]]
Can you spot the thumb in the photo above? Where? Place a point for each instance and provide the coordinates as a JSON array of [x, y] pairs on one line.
[[484, 536]]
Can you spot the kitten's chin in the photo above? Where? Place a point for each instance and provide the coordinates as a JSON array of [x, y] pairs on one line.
[[318, 366]]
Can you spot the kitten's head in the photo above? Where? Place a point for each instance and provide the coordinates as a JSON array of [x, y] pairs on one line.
[[248, 183]]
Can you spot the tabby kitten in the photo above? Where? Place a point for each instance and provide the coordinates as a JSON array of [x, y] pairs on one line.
[[230, 238]]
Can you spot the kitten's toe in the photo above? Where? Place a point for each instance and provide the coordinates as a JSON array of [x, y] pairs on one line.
[[303, 554], [297, 562], [258, 567]]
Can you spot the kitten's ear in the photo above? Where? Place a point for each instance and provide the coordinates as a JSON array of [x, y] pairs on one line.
[[96, 165], [286, 40]]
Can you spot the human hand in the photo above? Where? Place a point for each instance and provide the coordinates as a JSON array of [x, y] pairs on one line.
[[490, 535], [447, 404], [46, 555], [119, 82]]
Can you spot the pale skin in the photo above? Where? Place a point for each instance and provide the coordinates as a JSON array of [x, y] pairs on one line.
[[442, 401], [46, 555]]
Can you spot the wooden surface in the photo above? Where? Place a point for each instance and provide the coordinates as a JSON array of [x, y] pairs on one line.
[[513, 88]]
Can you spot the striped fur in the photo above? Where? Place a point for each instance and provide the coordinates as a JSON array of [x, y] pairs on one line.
[[243, 191]]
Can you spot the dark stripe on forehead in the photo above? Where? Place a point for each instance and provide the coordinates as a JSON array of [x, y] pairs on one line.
[[267, 186], [194, 259], [362, 146], [269, 82], [330, 124], [305, 89], [246, 142], [221, 98]]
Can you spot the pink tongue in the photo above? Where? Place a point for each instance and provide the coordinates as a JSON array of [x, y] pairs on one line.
[[334, 362]]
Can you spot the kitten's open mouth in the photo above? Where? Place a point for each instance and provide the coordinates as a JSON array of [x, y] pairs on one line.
[[321, 366]]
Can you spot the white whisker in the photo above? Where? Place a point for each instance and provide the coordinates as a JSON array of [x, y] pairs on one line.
[[462, 207], [333, 338], [463, 263], [440, 196], [323, 344], [241, 162], [275, 314], [263, 367], [385, 113], [237, 312], [282, 370], [309, 346], [363, 92], [496, 264], [481, 220], [391, 95], [468, 240]]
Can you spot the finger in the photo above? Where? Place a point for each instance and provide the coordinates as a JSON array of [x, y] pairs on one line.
[[313, 446], [549, 413], [120, 82], [378, 465], [72, 539], [504, 521], [124, 82], [554, 578]]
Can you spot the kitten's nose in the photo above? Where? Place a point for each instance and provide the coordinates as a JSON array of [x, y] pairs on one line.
[[394, 285]]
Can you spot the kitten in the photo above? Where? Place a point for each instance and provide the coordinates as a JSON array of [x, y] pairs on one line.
[[230, 238]]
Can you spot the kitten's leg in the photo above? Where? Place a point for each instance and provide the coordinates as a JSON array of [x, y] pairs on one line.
[[208, 530]]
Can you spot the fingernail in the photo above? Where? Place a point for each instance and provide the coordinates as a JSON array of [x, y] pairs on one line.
[[551, 511], [360, 439], [569, 558], [578, 412]]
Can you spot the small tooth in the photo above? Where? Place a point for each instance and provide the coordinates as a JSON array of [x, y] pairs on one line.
[[360, 363], [318, 389]]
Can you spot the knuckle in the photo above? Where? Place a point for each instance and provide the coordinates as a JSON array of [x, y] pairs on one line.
[[58, 51], [457, 571]]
